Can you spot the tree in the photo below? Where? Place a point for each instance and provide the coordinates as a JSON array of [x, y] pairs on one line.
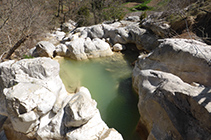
[[96, 11], [19, 21], [24, 20], [114, 10]]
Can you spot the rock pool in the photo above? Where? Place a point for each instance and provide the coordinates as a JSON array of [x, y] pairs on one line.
[[109, 81]]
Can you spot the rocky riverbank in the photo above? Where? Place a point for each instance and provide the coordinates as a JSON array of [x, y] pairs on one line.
[[97, 40], [173, 83], [172, 80], [35, 104]]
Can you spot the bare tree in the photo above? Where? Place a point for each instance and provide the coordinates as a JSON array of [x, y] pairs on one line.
[[23, 20], [20, 20]]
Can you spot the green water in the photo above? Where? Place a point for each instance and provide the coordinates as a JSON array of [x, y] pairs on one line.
[[110, 84]]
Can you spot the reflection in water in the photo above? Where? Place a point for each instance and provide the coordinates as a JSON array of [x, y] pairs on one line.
[[109, 81]]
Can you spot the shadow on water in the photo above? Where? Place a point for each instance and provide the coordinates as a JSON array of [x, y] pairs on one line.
[[123, 109], [131, 54], [110, 83]]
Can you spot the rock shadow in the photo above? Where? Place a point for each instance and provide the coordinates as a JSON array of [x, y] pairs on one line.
[[122, 112], [204, 97], [131, 53]]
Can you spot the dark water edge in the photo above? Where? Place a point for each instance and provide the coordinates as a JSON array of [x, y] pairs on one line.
[[110, 83]]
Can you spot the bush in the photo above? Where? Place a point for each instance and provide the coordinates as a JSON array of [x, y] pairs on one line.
[[95, 11], [142, 7]]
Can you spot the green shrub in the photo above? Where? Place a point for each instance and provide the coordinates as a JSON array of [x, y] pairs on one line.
[[27, 57], [142, 7], [113, 13]]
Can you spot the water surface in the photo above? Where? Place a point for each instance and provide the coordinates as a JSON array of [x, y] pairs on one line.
[[109, 81]]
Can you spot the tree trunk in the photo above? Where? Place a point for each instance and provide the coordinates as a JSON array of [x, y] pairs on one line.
[[60, 8], [17, 44]]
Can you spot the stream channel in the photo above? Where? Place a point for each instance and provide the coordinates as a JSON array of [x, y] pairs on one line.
[[110, 84]]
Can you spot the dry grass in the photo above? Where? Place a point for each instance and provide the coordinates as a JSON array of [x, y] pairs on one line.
[[153, 3]]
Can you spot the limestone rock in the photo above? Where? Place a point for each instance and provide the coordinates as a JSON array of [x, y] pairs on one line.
[[131, 34], [51, 128], [89, 46], [44, 49], [79, 110], [74, 36], [59, 35], [61, 50], [143, 39], [89, 42], [26, 106], [158, 26], [69, 26], [119, 32], [188, 59], [31, 89], [133, 18], [174, 90], [116, 35], [91, 130], [118, 47], [76, 48], [111, 134], [36, 105], [29, 71], [95, 31], [91, 125], [11, 134], [81, 48], [171, 108], [102, 47]]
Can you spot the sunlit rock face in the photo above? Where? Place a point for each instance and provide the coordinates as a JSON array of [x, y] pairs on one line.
[[43, 49], [97, 40], [188, 59], [37, 105], [81, 48], [173, 83]]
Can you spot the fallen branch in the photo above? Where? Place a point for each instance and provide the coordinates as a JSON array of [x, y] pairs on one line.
[[17, 44], [205, 11]]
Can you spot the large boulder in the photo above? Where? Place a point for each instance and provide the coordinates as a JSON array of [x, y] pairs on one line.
[[143, 39], [170, 108], [26, 106], [118, 47], [31, 89], [81, 48], [174, 91], [188, 59], [95, 31], [76, 48], [156, 24], [80, 109], [61, 50], [43, 49], [123, 32], [37, 105]]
